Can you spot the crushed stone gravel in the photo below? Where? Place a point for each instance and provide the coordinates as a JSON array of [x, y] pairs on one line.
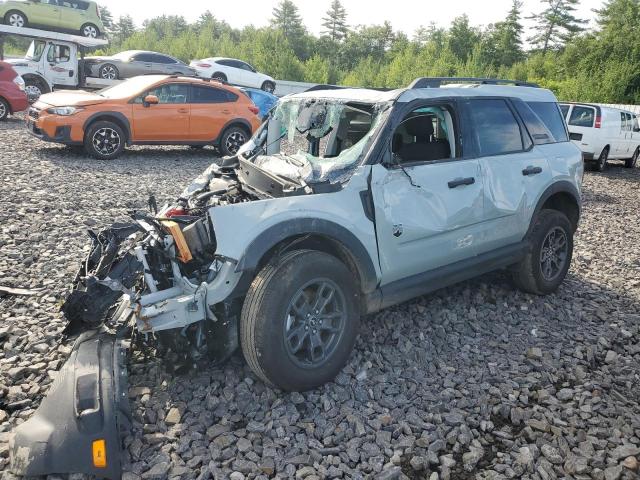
[[476, 381]]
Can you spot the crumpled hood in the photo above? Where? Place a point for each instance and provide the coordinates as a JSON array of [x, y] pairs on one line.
[[71, 98]]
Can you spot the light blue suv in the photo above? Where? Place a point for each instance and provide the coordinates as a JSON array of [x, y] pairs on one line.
[[344, 202]]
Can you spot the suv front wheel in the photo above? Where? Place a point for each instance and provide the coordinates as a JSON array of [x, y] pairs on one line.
[[104, 140], [548, 256], [300, 320]]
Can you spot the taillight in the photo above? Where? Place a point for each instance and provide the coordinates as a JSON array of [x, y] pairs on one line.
[[203, 65], [254, 109], [598, 121]]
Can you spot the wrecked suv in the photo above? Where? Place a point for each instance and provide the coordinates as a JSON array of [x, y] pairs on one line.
[[345, 201]]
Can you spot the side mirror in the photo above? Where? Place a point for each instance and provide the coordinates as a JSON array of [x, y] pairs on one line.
[[150, 100]]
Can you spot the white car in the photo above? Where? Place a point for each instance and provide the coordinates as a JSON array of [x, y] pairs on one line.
[[235, 72], [603, 133]]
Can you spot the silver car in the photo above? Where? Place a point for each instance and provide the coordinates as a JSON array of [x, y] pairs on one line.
[[132, 63]]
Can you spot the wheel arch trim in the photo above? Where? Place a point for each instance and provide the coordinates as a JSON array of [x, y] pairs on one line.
[[108, 116], [294, 228], [560, 187]]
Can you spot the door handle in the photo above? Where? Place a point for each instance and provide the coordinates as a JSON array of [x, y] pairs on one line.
[[531, 170], [183, 110], [461, 181]]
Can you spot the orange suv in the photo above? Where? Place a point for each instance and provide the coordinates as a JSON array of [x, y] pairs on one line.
[[146, 110]]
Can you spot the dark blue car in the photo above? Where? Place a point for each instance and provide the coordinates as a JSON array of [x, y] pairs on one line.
[[265, 101]]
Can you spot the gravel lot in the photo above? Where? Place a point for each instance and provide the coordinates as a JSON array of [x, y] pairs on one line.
[[476, 381]]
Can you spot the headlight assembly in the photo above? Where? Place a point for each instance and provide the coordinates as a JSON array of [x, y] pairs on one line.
[[64, 111]]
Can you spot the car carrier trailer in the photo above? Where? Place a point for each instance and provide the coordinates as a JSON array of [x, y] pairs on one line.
[[53, 60]]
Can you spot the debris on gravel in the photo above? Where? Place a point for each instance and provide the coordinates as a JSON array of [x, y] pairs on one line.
[[478, 380]]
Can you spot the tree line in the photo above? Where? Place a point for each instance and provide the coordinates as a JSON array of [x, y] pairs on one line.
[[600, 64]]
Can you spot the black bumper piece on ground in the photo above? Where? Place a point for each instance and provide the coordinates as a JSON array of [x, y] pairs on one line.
[[76, 429]]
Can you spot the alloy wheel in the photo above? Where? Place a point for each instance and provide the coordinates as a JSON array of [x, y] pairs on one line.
[[268, 87], [634, 159], [90, 31], [235, 141], [314, 322], [553, 256], [106, 141], [3, 110], [108, 72], [16, 20]]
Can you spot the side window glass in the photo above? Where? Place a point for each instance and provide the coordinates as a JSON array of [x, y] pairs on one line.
[[170, 93], [58, 54], [211, 95], [582, 116], [552, 118], [426, 134], [628, 121], [496, 129], [636, 126], [537, 129]]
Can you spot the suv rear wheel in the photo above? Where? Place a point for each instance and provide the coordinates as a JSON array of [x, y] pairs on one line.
[[232, 139], [300, 320], [549, 254], [104, 140]]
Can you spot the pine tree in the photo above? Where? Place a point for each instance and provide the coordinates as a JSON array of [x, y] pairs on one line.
[[106, 17], [335, 22], [123, 29], [287, 19], [556, 24], [507, 37]]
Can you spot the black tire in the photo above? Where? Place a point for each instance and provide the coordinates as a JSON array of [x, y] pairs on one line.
[[35, 87], [108, 71], [631, 162], [601, 164], [232, 139], [219, 76], [104, 140], [4, 109], [529, 274], [16, 19], [89, 30], [268, 86], [266, 319]]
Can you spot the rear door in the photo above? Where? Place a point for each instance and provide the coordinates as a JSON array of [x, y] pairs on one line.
[[211, 109], [140, 64], [515, 171], [168, 121], [71, 16]]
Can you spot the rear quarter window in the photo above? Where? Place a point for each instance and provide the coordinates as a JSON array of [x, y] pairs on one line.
[[582, 116], [537, 129], [551, 115]]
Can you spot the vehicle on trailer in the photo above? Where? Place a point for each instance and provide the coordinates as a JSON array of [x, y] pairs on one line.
[[132, 63], [13, 98], [344, 202], [76, 16], [52, 61], [146, 110], [603, 133], [233, 71]]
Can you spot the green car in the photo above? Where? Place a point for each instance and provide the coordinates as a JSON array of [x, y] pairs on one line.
[[69, 15]]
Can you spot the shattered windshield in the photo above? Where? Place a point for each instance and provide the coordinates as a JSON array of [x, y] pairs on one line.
[[317, 140]]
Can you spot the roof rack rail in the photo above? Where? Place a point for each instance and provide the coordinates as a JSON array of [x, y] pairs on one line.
[[437, 82]]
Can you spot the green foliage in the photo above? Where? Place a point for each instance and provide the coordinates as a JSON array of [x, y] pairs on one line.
[[602, 65], [335, 22], [556, 24]]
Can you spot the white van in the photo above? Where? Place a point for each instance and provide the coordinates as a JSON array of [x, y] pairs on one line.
[[603, 133]]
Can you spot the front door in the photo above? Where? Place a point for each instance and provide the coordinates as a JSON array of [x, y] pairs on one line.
[[167, 121], [428, 199], [61, 64]]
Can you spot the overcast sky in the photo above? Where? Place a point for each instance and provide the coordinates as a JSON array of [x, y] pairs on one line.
[[405, 15]]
